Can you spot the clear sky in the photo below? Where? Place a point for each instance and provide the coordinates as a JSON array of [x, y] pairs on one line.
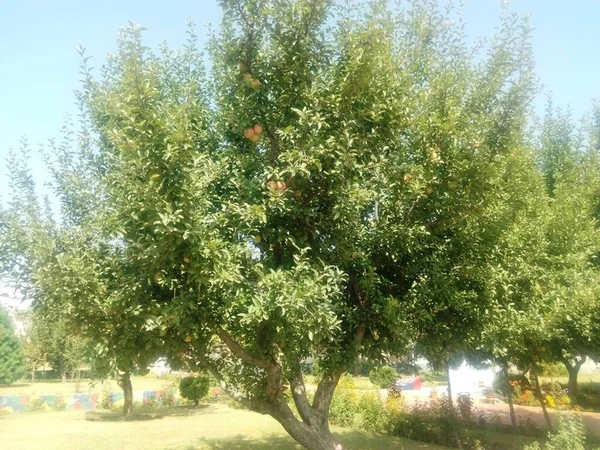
[[40, 65]]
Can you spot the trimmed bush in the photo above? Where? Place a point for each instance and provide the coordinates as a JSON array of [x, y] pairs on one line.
[[384, 376], [194, 388]]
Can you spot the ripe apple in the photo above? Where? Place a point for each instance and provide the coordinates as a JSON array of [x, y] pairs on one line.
[[249, 133], [255, 138], [187, 260], [476, 143], [188, 339], [258, 129], [281, 186], [248, 78], [407, 177], [272, 185], [255, 84], [158, 277]]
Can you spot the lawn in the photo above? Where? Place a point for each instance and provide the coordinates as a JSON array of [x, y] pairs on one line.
[[148, 383], [208, 427]]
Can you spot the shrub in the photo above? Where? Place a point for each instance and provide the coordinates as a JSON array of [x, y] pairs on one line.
[[344, 403], [106, 401], [167, 393], [383, 377], [36, 404], [570, 435], [194, 388], [395, 392], [346, 382], [554, 370], [430, 422], [372, 414], [60, 404], [465, 406], [519, 381]]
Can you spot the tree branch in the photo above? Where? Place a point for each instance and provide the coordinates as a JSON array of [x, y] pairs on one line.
[[328, 384], [299, 395], [252, 404], [240, 352]]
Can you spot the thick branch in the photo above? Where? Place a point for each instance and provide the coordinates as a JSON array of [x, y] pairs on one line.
[[240, 352], [580, 362], [252, 404], [328, 384], [299, 394]]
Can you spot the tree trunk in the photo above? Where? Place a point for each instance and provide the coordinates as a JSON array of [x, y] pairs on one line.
[[317, 436], [127, 394], [509, 397], [538, 394], [573, 370], [63, 376], [451, 409]]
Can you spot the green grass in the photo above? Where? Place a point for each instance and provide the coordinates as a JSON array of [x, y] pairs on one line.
[[175, 428], [364, 384], [582, 379]]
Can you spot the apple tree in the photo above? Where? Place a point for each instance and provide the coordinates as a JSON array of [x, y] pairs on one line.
[[328, 188]]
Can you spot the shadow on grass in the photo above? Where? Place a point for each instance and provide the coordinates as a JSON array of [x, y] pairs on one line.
[[240, 442], [146, 413], [352, 440]]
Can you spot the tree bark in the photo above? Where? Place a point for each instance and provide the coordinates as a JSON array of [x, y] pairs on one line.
[[573, 370], [312, 431], [127, 387], [451, 408], [538, 394], [509, 397]]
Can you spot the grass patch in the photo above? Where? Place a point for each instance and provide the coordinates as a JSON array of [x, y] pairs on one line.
[[364, 384], [173, 428]]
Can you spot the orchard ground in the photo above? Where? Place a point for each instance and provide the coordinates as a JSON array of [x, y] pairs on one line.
[[207, 427], [217, 426]]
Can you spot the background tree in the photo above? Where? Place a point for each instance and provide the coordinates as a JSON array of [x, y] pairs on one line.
[[34, 350], [573, 241], [11, 354], [75, 279]]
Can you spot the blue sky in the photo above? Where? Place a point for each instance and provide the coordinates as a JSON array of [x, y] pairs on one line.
[[40, 65]]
